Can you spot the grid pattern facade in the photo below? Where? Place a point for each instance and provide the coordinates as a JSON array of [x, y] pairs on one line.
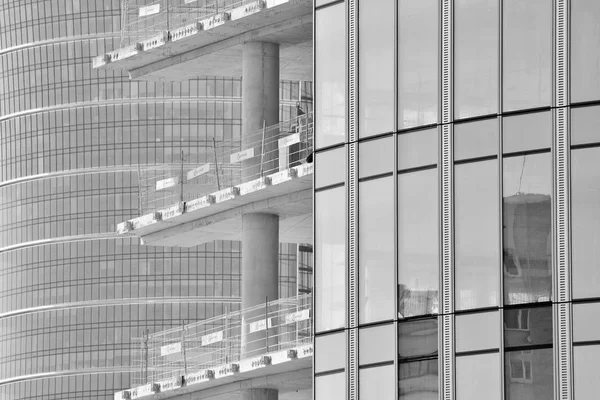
[[72, 294], [463, 262]]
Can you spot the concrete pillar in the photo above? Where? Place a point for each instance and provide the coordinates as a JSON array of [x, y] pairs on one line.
[[260, 394]]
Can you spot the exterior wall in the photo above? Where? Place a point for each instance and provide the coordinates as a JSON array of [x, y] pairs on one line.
[[455, 252]]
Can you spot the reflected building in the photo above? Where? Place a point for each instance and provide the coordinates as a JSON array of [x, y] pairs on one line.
[[72, 139], [456, 253]]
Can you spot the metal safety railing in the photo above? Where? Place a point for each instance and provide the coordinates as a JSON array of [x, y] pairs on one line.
[[226, 164], [253, 332], [142, 19]]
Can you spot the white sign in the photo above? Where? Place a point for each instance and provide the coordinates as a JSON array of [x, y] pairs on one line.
[[170, 349], [141, 391], [197, 204], [242, 155], [226, 194], [254, 363], [281, 356], [199, 377], [170, 384], [303, 170], [212, 338], [149, 10], [305, 351], [227, 370], [214, 21], [259, 326], [144, 220], [297, 316], [167, 183], [196, 172], [289, 140], [254, 186], [283, 176], [189, 1], [248, 9]]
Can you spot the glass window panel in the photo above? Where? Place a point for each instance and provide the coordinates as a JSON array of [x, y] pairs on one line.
[[418, 252], [330, 259], [330, 73], [376, 66], [476, 139], [418, 380], [585, 214], [527, 54], [330, 352], [527, 225], [417, 149], [586, 322], [376, 157], [417, 338], [478, 331], [418, 62], [585, 371], [475, 57], [330, 387], [478, 377], [585, 123], [376, 250], [477, 234], [585, 50], [330, 167], [528, 375], [377, 383], [527, 132], [527, 326], [376, 344]]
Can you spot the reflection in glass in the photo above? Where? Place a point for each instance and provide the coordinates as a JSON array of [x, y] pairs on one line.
[[418, 252], [527, 54], [477, 331], [585, 50], [330, 387], [375, 157], [376, 250], [417, 338], [475, 57], [527, 326], [330, 166], [476, 139], [531, 131], [330, 72], [585, 214], [376, 66], [418, 380], [330, 259], [477, 377], [377, 383], [585, 371], [418, 62], [528, 375], [527, 252], [477, 239], [418, 149], [330, 352]]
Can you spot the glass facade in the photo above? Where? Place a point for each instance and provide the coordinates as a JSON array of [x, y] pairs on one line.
[[473, 185], [72, 294]]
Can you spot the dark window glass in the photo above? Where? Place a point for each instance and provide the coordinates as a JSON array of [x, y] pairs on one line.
[[478, 377], [585, 50], [527, 326], [477, 232], [476, 139], [585, 212], [417, 339], [528, 375], [527, 215], [418, 380], [418, 252]]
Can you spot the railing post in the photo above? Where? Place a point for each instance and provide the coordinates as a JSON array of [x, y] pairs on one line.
[[226, 335], [262, 147], [146, 357], [183, 347], [267, 322], [216, 163]]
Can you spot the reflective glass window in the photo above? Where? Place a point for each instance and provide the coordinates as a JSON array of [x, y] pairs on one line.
[[477, 331], [586, 322], [476, 139], [330, 259], [330, 352], [417, 338], [418, 62], [330, 75], [586, 379], [418, 380], [527, 54], [477, 234], [585, 50], [584, 125], [585, 214], [330, 167], [527, 226], [330, 387], [528, 375], [475, 57], [525, 132], [478, 377], [418, 252], [418, 149], [375, 157], [376, 344], [527, 326], [376, 66], [376, 250], [377, 383]]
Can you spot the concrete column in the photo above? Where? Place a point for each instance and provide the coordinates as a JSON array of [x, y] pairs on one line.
[[260, 394]]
